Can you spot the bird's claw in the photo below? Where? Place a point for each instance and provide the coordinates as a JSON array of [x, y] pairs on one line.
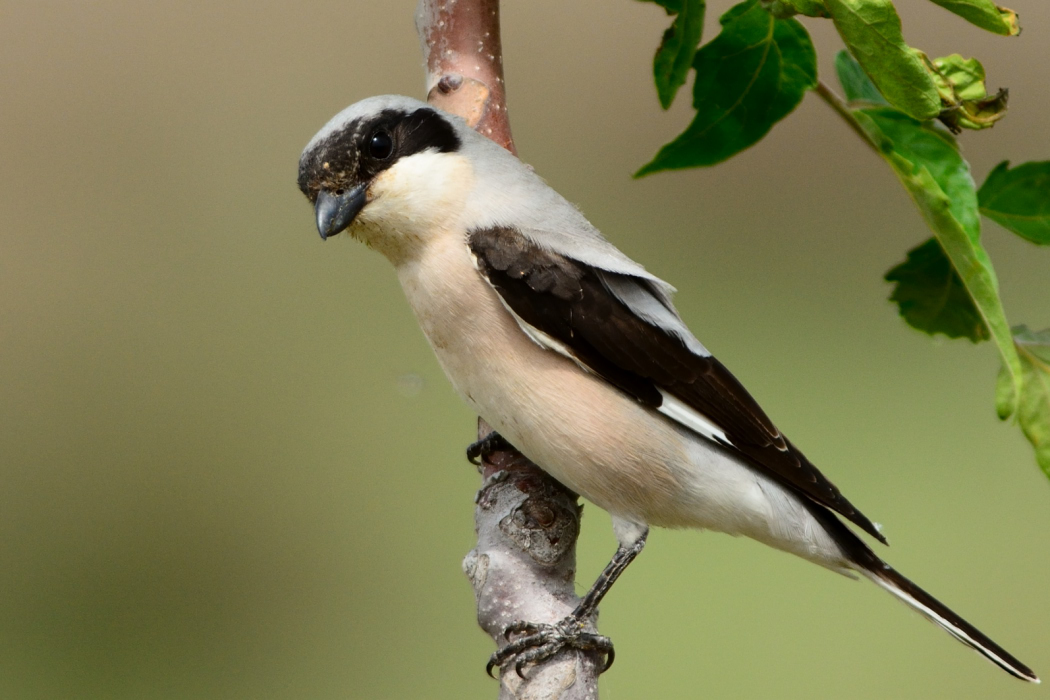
[[540, 642], [493, 442]]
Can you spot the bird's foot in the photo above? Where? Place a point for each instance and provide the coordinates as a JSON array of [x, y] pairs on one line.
[[542, 641], [493, 442]]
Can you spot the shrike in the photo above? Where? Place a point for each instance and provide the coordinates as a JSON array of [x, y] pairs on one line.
[[577, 357]]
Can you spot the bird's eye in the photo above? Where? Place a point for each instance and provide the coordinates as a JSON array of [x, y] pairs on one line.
[[380, 146]]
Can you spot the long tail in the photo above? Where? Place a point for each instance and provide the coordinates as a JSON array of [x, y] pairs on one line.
[[866, 562], [939, 614]]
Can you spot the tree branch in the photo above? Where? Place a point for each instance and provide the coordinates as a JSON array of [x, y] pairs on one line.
[[523, 568], [464, 63], [524, 564]]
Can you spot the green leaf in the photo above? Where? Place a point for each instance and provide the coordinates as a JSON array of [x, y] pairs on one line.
[[926, 146], [1033, 408], [855, 82], [782, 9], [929, 166], [872, 32], [749, 77], [672, 6], [932, 297], [1019, 199], [674, 57], [984, 14], [960, 84]]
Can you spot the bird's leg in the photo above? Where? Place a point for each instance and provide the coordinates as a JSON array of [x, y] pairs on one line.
[[542, 641], [493, 442]]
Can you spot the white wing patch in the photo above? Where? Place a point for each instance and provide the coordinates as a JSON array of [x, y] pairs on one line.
[[670, 406], [539, 337], [691, 418], [542, 339]]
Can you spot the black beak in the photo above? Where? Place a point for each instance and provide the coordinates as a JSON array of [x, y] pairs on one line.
[[335, 211]]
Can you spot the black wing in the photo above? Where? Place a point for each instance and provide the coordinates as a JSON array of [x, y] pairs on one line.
[[572, 303]]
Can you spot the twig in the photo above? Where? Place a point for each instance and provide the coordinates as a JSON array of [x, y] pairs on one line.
[[843, 110], [524, 564]]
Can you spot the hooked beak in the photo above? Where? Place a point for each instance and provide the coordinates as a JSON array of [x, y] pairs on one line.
[[336, 211]]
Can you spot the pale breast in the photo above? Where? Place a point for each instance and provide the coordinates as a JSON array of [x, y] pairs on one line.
[[574, 425], [617, 453]]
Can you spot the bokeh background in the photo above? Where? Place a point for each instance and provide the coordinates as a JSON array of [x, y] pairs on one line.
[[231, 469]]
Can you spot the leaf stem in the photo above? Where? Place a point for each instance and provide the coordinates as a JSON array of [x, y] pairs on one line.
[[843, 110]]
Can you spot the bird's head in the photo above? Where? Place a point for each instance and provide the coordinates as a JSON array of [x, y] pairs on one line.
[[389, 171]]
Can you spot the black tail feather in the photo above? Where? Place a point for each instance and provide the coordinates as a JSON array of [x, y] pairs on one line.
[[882, 574], [942, 616]]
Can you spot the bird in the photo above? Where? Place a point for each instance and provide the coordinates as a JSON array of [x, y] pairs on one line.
[[576, 356]]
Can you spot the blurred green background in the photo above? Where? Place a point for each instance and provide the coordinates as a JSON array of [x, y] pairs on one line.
[[230, 467]]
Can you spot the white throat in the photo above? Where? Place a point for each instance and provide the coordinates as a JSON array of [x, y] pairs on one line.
[[412, 202]]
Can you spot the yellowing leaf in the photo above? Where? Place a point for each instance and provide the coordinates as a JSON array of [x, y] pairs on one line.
[[967, 105], [872, 32], [985, 15]]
